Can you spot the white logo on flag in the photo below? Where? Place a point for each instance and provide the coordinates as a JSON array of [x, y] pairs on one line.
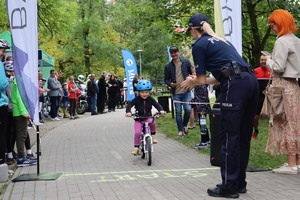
[[129, 62]]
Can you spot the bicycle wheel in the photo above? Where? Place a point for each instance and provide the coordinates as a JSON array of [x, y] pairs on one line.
[[143, 155], [149, 148]]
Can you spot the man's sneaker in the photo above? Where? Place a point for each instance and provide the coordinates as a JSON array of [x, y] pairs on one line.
[[196, 146], [180, 133], [285, 169], [31, 157], [154, 139], [24, 162], [135, 151], [203, 145], [186, 130], [57, 118]]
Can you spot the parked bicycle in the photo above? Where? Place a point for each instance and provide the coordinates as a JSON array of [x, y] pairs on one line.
[[146, 144]]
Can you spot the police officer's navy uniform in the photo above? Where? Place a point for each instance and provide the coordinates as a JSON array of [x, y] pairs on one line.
[[238, 105]]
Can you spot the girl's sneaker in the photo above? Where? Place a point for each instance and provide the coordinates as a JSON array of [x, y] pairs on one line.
[[135, 151], [154, 139]]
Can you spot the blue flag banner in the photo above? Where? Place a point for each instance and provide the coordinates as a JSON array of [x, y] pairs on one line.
[[170, 58], [131, 70], [23, 23]]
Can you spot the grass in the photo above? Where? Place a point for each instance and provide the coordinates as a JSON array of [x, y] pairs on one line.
[[258, 156], [3, 188]]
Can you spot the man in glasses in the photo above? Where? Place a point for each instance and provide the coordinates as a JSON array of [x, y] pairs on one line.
[[176, 72]]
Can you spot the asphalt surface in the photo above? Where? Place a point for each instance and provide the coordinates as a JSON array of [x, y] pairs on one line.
[[94, 156]]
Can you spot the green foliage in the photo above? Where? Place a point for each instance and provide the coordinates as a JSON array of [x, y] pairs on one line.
[[86, 36], [4, 23]]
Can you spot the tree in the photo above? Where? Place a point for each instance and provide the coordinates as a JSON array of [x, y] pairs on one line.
[[140, 28]]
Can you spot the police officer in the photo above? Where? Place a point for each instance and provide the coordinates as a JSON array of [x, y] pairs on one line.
[[238, 101]]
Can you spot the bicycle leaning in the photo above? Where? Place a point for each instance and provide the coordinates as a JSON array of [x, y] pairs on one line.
[[146, 143]]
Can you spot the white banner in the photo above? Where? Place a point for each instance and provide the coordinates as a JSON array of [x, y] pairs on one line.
[[23, 23], [232, 22]]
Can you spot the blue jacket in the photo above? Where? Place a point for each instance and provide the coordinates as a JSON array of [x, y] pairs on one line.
[[4, 81], [170, 74]]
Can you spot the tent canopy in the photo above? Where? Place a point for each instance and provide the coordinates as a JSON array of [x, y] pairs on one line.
[[45, 60]]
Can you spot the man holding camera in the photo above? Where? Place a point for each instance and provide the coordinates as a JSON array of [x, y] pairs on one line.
[[176, 72]]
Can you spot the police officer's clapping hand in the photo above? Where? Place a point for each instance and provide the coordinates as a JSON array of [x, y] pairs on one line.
[[189, 82]]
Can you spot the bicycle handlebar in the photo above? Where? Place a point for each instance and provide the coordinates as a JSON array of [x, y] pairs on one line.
[[140, 118]]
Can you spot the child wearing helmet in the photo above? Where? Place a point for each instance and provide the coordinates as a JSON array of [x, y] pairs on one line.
[[143, 105]]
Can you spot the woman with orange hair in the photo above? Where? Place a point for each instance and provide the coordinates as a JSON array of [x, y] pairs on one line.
[[284, 138]]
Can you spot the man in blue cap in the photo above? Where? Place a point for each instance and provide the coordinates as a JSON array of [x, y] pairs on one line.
[[238, 101]]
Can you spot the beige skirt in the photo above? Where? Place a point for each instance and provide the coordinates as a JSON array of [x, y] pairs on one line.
[[284, 138]]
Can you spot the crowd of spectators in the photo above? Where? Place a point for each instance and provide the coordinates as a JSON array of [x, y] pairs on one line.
[[14, 116], [54, 95]]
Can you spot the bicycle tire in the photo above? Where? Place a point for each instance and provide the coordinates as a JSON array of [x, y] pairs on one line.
[[142, 150], [149, 152], [143, 155]]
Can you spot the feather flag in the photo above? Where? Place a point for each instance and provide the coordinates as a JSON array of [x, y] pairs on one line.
[[23, 23]]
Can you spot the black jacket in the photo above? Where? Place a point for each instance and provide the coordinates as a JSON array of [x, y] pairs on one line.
[[143, 106], [102, 85], [112, 86], [170, 74], [92, 88]]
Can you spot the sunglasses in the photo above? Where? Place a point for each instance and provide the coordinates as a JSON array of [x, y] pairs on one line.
[[272, 24], [174, 49]]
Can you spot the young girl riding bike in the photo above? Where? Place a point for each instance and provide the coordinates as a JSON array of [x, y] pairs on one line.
[[143, 104]]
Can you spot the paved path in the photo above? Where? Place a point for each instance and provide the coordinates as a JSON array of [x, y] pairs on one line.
[[93, 153]]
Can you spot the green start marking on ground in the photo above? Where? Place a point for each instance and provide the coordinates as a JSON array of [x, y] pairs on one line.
[[146, 174]]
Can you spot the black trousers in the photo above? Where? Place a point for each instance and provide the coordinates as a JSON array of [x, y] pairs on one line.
[[72, 106], [112, 100], [3, 127], [101, 99], [54, 106], [238, 106], [10, 133]]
